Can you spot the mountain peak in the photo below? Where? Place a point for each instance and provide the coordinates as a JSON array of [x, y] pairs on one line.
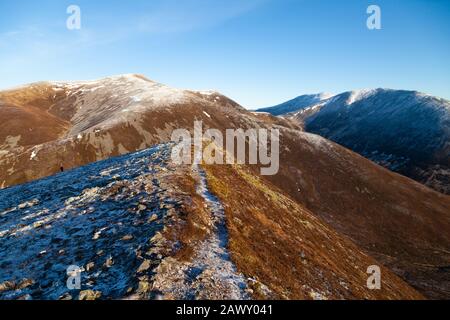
[[297, 104]]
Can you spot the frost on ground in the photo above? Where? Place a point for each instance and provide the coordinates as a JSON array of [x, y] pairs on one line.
[[211, 273], [109, 218], [99, 217]]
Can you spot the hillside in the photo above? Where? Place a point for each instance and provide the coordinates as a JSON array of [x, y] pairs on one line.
[[140, 228], [345, 197], [69, 124], [405, 131]]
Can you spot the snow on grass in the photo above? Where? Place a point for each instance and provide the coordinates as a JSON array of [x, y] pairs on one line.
[[33, 155], [212, 254], [358, 95], [206, 114]]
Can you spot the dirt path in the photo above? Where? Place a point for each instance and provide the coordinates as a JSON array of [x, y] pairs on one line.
[[210, 274]]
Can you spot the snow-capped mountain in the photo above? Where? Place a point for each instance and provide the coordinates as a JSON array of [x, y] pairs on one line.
[[296, 104], [405, 131], [68, 124], [281, 228]]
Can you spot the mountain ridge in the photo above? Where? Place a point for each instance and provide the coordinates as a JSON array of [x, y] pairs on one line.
[[405, 131], [394, 219]]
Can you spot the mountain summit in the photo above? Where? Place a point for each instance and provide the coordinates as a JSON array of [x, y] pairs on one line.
[[296, 104], [405, 131]]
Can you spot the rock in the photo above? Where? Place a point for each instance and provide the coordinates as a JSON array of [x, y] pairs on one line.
[[89, 295], [109, 262], [65, 296], [157, 238], [142, 207], [38, 224], [90, 266], [144, 287], [153, 218], [25, 283], [7, 286], [96, 236], [249, 291], [144, 266]]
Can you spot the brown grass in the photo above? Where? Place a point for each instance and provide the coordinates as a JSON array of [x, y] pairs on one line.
[[283, 246]]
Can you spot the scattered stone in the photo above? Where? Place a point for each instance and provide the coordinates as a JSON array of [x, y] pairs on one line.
[[157, 238], [28, 204], [317, 295], [66, 296], [25, 283], [7, 286], [109, 262], [38, 224], [96, 236], [89, 295], [144, 266], [127, 238], [90, 266], [144, 287], [153, 218]]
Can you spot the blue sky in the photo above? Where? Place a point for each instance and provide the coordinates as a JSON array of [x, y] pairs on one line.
[[258, 52]]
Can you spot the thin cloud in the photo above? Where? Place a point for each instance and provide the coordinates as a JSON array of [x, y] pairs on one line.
[[184, 16]]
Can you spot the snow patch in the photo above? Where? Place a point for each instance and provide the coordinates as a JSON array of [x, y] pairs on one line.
[[33, 155], [206, 114], [360, 94]]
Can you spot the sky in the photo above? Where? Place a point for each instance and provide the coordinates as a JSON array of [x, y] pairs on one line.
[[258, 52]]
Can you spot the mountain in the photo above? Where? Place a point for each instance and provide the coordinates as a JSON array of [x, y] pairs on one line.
[[281, 229], [296, 104], [68, 124], [405, 131], [141, 228], [393, 218]]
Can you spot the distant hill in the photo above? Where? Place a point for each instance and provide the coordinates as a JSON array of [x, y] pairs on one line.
[[296, 104], [405, 131]]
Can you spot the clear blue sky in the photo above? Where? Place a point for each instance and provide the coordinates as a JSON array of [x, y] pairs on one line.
[[258, 52]]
